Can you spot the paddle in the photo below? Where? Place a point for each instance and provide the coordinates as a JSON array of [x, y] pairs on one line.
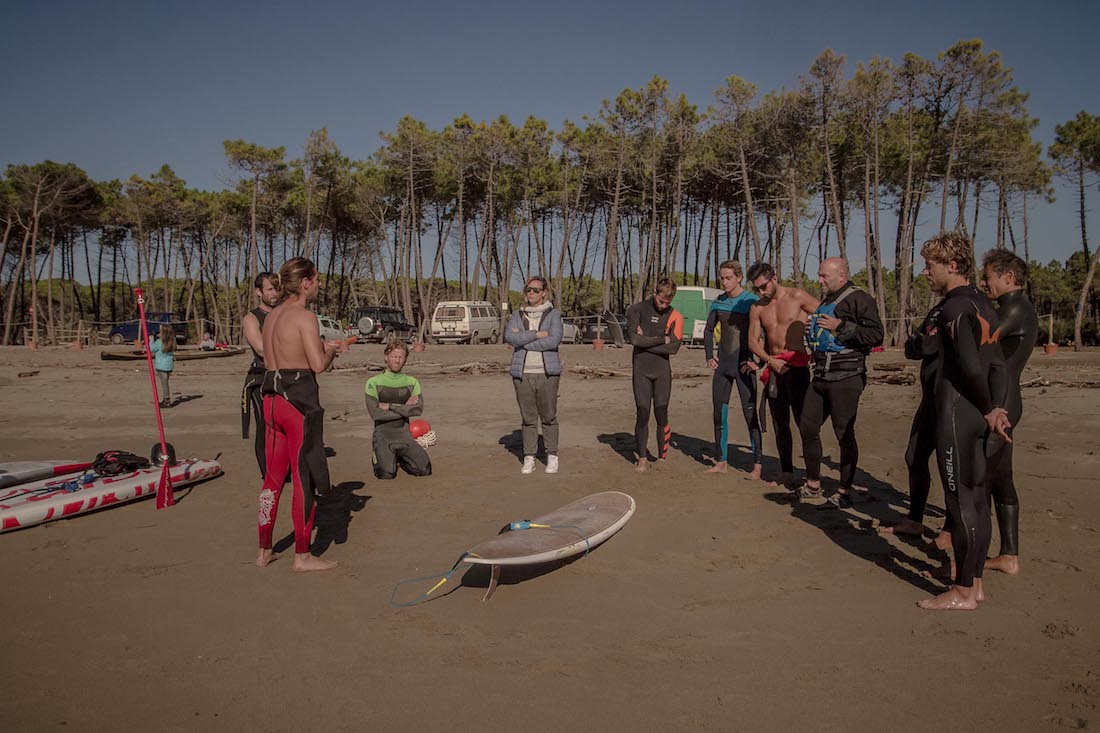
[[165, 496]]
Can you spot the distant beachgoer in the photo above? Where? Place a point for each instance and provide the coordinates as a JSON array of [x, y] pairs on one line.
[[207, 343], [164, 361]]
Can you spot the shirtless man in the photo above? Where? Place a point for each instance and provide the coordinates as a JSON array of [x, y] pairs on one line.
[[252, 401], [293, 356], [777, 323]]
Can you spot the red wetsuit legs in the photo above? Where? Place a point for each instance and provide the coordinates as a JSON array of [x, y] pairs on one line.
[[285, 433]]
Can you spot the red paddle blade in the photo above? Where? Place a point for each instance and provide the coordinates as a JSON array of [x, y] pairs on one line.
[[165, 495]]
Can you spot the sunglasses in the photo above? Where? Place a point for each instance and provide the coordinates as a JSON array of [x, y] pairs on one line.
[[533, 290]]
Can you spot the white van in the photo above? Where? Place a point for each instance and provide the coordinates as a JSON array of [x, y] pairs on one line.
[[466, 321]]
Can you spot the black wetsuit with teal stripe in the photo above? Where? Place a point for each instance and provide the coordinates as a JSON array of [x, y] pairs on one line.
[[732, 314]]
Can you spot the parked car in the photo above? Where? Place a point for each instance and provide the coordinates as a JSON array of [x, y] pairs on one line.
[[131, 330], [469, 321], [570, 332], [379, 323], [331, 329], [607, 332]]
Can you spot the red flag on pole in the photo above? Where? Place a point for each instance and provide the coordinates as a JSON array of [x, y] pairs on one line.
[[165, 495]]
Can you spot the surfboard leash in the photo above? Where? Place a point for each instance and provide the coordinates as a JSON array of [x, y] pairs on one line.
[[444, 577]]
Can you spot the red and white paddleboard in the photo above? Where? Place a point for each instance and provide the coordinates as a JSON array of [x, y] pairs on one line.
[[47, 499], [20, 472]]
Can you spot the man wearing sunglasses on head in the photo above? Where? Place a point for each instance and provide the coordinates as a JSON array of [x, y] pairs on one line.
[[535, 331]]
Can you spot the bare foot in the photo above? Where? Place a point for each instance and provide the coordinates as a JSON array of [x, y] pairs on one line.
[[266, 557], [905, 526], [643, 465], [943, 541], [754, 474], [956, 598], [306, 563], [1005, 563], [979, 590], [660, 463], [719, 467]]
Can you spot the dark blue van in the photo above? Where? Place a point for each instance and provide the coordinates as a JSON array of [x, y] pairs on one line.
[[131, 330]]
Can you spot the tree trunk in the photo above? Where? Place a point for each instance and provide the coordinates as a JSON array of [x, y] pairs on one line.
[[1079, 317]]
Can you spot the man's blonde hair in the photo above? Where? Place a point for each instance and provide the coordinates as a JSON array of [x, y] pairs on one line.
[[947, 247]]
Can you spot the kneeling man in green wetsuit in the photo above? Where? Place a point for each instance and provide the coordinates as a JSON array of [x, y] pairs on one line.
[[393, 399]]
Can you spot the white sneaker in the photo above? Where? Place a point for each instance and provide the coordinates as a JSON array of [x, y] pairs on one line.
[[551, 464], [528, 464]]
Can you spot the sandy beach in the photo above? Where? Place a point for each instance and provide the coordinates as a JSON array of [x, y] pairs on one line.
[[718, 606]]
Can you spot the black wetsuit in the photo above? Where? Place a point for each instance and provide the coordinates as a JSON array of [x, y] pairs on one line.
[[923, 346], [252, 402], [652, 373], [732, 314], [392, 444], [839, 376], [1019, 332], [972, 382]]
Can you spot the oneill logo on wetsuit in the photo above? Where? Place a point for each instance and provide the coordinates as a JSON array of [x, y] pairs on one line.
[[949, 468]]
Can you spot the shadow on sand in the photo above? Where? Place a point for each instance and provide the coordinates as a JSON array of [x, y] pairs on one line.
[[333, 517]]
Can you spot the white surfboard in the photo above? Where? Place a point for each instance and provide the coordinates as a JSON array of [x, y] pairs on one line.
[[45, 500], [574, 528]]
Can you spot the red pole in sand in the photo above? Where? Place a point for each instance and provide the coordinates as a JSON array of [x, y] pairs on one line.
[[165, 496]]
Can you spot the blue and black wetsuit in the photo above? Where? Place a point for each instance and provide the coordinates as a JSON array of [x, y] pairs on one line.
[[732, 314], [1018, 333], [972, 382], [923, 346]]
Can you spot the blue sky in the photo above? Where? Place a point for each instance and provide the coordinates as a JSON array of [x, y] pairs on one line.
[[121, 88]]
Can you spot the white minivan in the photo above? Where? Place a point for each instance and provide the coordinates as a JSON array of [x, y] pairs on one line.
[[466, 321]]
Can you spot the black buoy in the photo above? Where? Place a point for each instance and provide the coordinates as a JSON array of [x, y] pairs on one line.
[[159, 457]]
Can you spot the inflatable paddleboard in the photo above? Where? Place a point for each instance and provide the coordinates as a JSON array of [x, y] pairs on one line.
[[20, 472], [46, 500], [570, 530], [179, 354]]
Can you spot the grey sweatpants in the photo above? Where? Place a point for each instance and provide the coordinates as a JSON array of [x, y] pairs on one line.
[[162, 385], [537, 395]]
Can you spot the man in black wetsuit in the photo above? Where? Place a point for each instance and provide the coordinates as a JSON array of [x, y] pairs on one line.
[[731, 312], [251, 399], [971, 421], [923, 345], [840, 334], [1005, 279], [655, 329]]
